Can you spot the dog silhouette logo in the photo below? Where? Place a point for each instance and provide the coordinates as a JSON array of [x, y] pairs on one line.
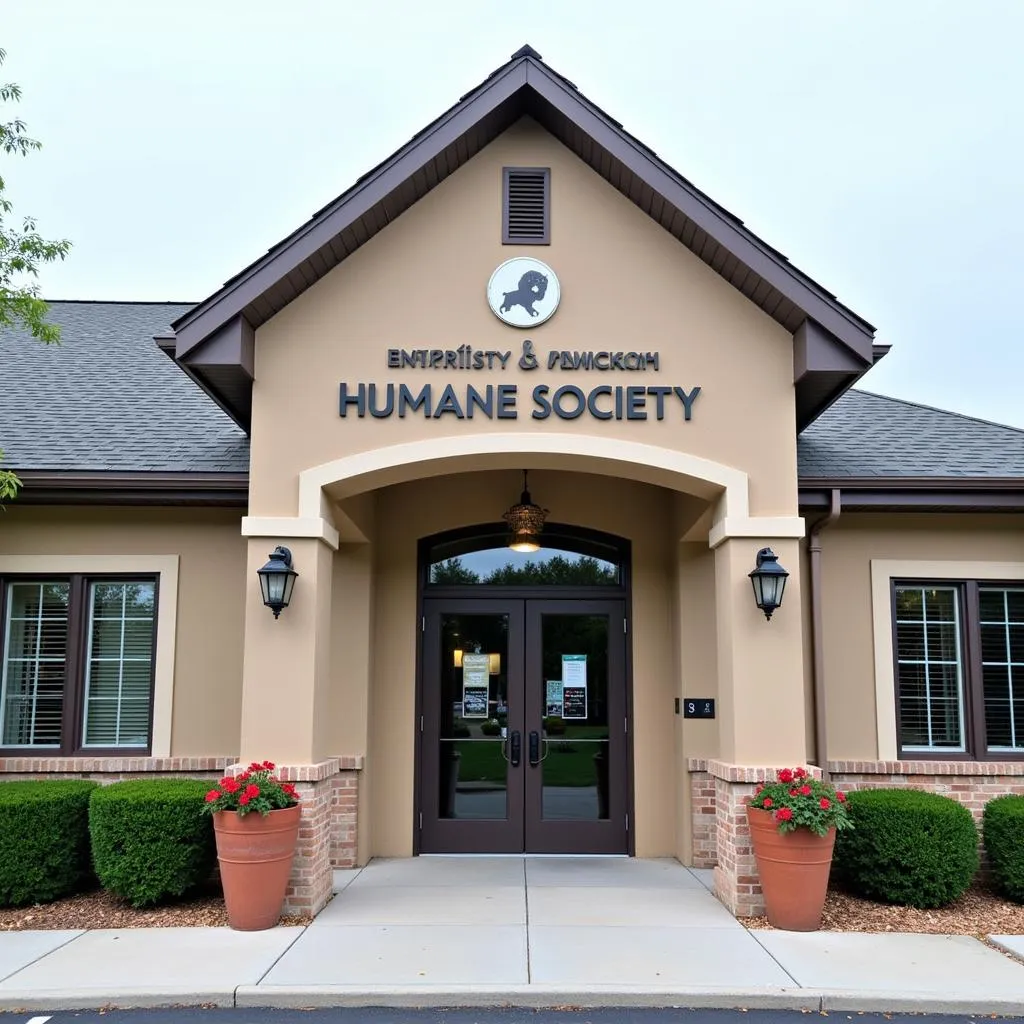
[[523, 292]]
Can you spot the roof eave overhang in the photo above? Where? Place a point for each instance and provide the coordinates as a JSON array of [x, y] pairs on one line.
[[913, 494], [72, 487]]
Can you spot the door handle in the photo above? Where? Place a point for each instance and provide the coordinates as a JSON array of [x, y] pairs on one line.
[[516, 749], [534, 749]]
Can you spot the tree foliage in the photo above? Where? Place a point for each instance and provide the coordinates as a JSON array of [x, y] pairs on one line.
[[555, 571], [22, 252]]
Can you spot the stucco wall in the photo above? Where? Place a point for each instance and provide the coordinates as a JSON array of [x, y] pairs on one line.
[[626, 285], [407, 512], [210, 609], [849, 643]]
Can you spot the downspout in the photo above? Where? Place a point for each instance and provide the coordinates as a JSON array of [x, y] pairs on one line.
[[818, 653]]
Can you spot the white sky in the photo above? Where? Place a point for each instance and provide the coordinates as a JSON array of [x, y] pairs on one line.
[[877, 143]]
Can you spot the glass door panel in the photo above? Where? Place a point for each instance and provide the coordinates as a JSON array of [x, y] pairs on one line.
[[473, 782], [471, 744], [576, 782], [574, 768]]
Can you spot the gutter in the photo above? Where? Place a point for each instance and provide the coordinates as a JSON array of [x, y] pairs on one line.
[[817, 648]]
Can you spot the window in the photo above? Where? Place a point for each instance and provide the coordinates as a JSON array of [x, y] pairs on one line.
[[526, 206], [959, 653], [569, 557], [76, 664]]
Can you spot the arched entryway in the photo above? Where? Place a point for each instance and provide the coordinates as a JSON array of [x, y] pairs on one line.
[[523, 694]]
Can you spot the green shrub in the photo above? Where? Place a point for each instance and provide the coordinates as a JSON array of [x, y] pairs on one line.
[[150, 840], [1003, 829], [908, 847], [44, 839]]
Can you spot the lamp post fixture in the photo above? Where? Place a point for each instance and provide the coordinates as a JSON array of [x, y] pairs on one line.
[[769, 581], [277, 580]]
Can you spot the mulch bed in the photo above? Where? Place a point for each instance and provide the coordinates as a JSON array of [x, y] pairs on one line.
[[978, 912], [99, 909]]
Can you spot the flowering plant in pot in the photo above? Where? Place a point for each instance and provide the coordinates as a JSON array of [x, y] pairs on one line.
[[255, 850], [793, 824]]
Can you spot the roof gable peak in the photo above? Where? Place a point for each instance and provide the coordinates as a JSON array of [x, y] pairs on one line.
[[524, 86]]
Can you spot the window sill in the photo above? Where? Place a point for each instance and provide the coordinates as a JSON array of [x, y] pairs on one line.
[[36, 762], [929, 766]]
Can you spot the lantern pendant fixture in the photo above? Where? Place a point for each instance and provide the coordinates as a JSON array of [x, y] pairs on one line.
[[525, 521]]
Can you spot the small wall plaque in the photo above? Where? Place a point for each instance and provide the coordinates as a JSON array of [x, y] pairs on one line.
[[698, 707]]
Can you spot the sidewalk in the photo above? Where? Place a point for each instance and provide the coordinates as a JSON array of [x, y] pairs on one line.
[[531, 932]]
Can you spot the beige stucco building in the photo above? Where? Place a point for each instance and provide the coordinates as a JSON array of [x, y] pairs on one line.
[[522, 287]]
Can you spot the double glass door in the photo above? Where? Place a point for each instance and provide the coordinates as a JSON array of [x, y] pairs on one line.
[[524, 727]]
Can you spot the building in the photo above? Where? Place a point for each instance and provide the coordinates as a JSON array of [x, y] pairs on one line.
[[522, 287]]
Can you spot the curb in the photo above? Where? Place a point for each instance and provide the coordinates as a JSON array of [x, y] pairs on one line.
[[13, 1000]]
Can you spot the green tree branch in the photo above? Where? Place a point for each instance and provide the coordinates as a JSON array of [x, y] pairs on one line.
[[22, 252]]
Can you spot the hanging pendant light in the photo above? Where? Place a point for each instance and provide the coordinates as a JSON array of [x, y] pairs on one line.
[[525, 522]]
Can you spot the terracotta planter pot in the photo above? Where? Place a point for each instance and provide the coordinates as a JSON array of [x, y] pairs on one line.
[[794, 868], [255, 855]]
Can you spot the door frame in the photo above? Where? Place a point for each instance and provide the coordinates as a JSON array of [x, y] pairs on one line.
[[490, 535]]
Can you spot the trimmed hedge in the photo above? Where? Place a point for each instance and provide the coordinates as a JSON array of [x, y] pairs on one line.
[[44, 839], [1003, 829], [150, 841], [907, 847]]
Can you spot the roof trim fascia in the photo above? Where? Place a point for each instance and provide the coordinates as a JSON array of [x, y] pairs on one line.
[[72, 487], [523, 72], [740, 242], [196, 325], [914, 494]]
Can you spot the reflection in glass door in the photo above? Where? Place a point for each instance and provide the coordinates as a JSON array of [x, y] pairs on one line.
[[576, 776], [524, 727]]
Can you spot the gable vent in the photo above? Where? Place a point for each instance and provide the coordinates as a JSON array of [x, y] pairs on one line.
[[526, 206]]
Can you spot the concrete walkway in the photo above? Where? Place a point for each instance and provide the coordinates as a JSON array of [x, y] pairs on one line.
[[527, 931]]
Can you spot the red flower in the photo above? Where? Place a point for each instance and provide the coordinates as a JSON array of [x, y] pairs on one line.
[[794, 792], [841, 797], [251, 792], [783, 814], [805, 790], [825, 803], [290, 790], [786, 775], [768, 802], [214, 794], [243, 800], [268, 766], [800, 774], [758, 790], [255, 767], [244, 777], [230, 786]]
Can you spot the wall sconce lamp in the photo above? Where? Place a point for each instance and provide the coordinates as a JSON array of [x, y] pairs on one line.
[[277, 580], [769, 580]]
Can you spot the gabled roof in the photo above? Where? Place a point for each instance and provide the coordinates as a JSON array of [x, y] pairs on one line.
[[107, 401], [865, 435], [214, 340], [105, 417]]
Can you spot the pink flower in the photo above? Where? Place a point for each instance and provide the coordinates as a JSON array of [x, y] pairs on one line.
[[825, 803], [768, 802]]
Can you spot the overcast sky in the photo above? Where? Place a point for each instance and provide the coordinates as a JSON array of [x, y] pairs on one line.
[[877, 143]]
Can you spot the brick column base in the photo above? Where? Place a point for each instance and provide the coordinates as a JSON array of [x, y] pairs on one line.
[[736, 880], [327, 830]]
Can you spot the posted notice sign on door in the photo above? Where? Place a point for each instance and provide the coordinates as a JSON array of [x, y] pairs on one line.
[[476, 680], [574, 686]]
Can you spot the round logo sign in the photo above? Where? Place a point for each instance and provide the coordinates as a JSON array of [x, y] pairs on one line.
[[523, 292]]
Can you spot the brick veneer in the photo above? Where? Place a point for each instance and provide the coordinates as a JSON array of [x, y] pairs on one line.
[[736, 880], [328, 792], [719, 791], [973, 783], [113, 769]]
